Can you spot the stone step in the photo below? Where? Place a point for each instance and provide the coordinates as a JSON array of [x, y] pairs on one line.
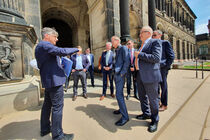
[[206, 129], [188, 122]]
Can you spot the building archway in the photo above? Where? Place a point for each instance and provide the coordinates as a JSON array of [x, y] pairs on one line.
[[64, 31], [71, 20], [65, 25]]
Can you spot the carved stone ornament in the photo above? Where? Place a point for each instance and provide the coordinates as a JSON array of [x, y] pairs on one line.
[[7, 57]]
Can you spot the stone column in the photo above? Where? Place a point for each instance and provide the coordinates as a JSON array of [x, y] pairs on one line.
[[116, 18], [189, 53], [124, 20], [172, 9], [152, 17], [180, 50], [178, 17], [174, 47], [164, 5], [186, 53], [192, 51], [161, 5]]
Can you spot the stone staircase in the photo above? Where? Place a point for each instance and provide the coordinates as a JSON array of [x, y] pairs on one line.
[[192, 120]]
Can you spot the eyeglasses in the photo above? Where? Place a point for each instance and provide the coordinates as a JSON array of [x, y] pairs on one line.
[[128, 44], [143, 32], [154, 35]]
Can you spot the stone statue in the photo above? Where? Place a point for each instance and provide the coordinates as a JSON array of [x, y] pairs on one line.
[[7, 57]]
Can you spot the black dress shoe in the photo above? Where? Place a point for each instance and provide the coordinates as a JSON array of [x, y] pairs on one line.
[[116, 112], [85, 96], [121, 122], [142, 117], [127, 97], [153, 127], [68, 137], [74, 98], [42, 134]]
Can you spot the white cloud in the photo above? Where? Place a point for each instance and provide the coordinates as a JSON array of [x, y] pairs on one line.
[[200, 29]]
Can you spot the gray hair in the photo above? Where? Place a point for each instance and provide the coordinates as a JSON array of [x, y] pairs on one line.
[[49, 31], [159, 32], [148, 28], [116, 38], [109, 43]]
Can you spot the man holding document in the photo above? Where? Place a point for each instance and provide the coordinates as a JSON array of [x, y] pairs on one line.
[[52, 78]]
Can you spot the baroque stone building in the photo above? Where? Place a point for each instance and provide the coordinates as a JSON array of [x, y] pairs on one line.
[[91, 23], [177, 21], [88, 23], [203, 44]]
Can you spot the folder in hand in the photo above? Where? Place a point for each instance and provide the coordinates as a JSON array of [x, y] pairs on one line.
[[67, 65]]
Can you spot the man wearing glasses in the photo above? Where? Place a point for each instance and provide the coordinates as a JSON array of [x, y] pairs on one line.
[[52, 78], [165, 65], [148, 76]]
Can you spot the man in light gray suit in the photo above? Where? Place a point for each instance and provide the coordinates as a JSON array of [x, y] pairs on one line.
[[147, 64]]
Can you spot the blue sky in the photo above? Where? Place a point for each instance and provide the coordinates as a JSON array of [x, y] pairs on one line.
[[201, 8]]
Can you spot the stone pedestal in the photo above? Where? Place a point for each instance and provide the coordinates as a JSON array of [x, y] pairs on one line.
[[19, 89]]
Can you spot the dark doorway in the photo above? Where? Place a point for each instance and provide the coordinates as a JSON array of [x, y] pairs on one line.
[[64, 31]]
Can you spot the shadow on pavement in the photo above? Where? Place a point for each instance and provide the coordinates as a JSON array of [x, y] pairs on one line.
[[106, 119], [26, 130], [131, 105]]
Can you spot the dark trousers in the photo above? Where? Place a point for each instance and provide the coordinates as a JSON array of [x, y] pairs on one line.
[[82, 76], [119, 82], [53, 100], [105, 74], [164, 87], [91, 72], [131, 74], [148, 95], [67, 81]]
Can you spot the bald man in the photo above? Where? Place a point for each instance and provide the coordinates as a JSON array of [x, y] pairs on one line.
[[147, 63]]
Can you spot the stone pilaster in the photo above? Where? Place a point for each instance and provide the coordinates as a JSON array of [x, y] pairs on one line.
[[116, 18], [145, 18]]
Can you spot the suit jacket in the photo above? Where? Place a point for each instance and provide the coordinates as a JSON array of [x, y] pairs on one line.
[[122, 61], [48, 61], [85, 61], [149, 61], [167, 54], [103, 60], [91, 60]]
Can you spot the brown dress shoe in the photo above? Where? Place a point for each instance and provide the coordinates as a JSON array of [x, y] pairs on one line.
[[102, 97], [85, 96], [113, 96], [74, 98], [162, 108]]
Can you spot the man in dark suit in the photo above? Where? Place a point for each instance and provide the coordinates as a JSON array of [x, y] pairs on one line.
[[148, 76], [121, 63], [165, 65], [79, 69], [90, 57], [106, 66], [52, 78], [131, 70]]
